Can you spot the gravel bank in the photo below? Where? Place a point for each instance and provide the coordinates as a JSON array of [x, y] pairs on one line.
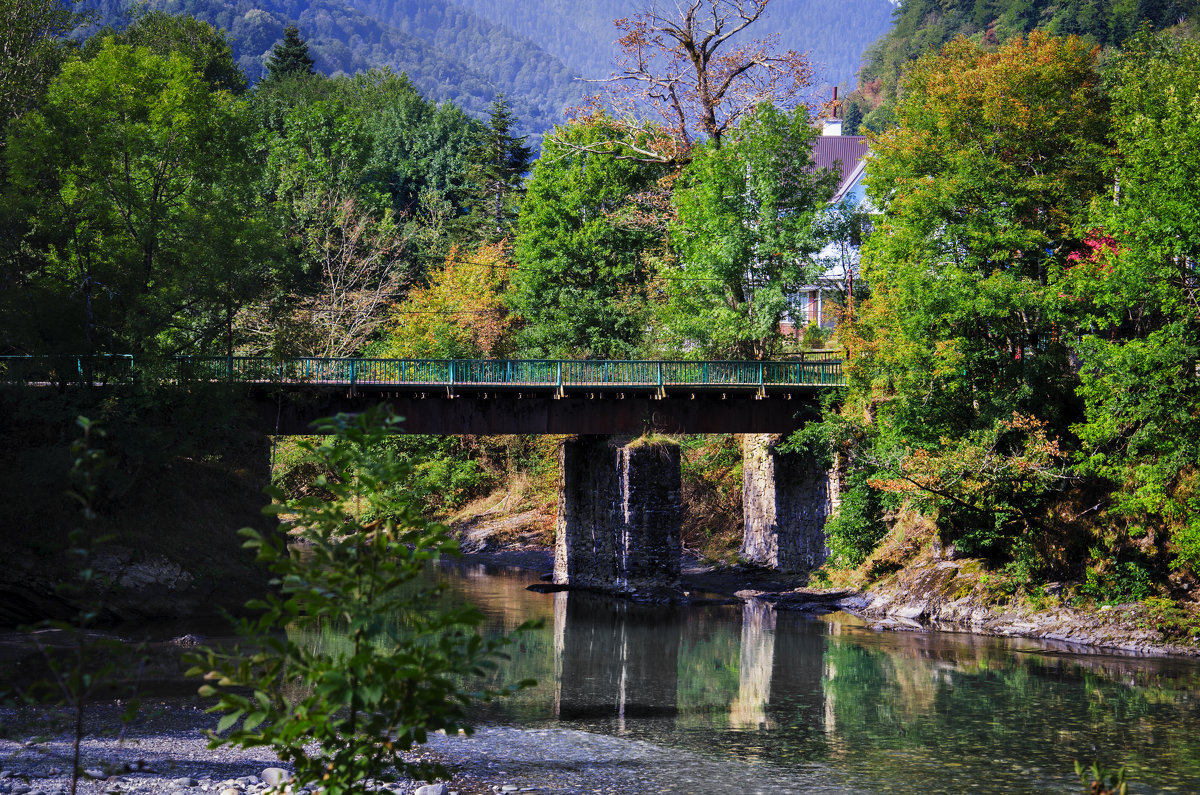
[[165, 754]]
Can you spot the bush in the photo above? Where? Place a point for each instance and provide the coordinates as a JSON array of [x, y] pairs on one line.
[[857, 527], [366, 700], [1117, 582]]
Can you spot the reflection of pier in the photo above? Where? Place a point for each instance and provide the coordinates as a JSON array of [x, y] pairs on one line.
[[614, 659], [756, 659]]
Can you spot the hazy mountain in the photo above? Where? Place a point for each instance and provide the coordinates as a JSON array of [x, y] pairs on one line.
[[533, 51]]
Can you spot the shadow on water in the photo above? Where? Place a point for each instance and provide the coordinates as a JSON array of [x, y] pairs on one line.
[[928, 712]]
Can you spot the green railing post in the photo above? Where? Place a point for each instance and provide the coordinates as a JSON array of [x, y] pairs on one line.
[[760, 374], [559, 384], [660, 375], [229, 367], [452, 371], [353, 371]]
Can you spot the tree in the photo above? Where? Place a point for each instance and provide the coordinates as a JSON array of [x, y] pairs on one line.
[[961, 370], [690, 65], [140, 188], [745, 236], [32, 47], [289, 56], [206, 47], [981, 190], [461, 313], [346, 711], [1139, 280], [504, 160], [583, 278]]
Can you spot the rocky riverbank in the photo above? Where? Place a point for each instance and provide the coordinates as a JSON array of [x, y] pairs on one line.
[[165, 753], [927, 594]]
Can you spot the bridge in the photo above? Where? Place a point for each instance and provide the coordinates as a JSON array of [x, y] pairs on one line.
[[619, 502], [488, 396]]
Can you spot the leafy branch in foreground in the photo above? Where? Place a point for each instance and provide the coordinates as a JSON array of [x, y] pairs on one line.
[[395, 667], [85, 664]]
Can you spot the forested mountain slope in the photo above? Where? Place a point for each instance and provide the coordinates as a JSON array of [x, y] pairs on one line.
[[925, 25], [468, 51]]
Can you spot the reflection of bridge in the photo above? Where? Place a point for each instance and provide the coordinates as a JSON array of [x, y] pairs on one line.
[[484, 396], [619, 509]]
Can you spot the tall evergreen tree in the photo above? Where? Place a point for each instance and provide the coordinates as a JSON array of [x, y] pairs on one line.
[[505, 160], [290, 56]]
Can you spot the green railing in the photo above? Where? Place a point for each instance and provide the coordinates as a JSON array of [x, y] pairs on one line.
[[820, 369], [53, 369]]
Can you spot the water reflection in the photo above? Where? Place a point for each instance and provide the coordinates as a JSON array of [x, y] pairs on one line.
[[613, 659], [895, 712], [755, 663]]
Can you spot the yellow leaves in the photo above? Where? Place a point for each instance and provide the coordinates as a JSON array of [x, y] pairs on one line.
[[460, 314]]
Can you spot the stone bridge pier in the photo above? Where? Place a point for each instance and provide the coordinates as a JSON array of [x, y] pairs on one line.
[[618, 526], [618, 515], [786, 498]]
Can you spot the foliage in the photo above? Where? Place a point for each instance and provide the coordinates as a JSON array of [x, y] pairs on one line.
[[745, 237], [583, 275], [32, 48], [924, 25], [199, 42], [402, 670], [1112, 582], [459, 315], [1136, 281], [136, 179], [1101, 780], [857, 527], [959, 352], [985, 488], [289, 57], [87, 664]]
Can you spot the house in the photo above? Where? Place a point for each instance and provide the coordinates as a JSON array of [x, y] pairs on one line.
[[845, 156]]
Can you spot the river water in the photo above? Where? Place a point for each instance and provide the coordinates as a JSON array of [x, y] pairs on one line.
[[829, 701]]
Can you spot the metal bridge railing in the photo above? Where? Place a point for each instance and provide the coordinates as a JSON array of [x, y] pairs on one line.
[[96, 370], [820, 369]]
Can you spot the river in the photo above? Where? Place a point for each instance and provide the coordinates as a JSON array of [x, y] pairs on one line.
[[828, 701]]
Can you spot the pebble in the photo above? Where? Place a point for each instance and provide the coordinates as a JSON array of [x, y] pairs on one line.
[[431, 789], [274, 776]]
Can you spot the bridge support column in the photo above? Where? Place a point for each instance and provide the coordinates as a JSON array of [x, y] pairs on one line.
[[786, 499], [618, 516]]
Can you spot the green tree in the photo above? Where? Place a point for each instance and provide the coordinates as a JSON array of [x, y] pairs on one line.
[[289, 56], [959, 353], [139, 186], [33, 45], [206, 47], [981, 187], [395, 665], [583, 276], [1138, 274], [504, 159], [745, 236]]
